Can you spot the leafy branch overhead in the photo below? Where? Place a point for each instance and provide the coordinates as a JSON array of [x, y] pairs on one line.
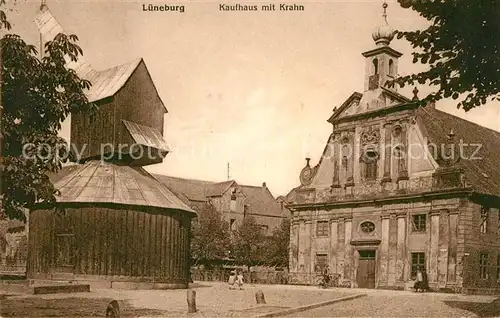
[[37, 96], [461, 48]]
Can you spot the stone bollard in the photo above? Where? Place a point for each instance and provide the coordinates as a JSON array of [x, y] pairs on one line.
[[191, 300], [259, 296], [113, 310]]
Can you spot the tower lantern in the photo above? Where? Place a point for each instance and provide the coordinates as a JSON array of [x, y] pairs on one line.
[[381, 62]]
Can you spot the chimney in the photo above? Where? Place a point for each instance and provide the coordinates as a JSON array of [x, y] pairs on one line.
[[263, 184]]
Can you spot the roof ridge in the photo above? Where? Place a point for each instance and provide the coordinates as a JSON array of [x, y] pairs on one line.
[[136, 60], [252, 186], [185, 179], [460, 118]]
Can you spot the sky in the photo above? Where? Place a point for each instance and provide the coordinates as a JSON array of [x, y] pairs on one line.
[[252, 89]]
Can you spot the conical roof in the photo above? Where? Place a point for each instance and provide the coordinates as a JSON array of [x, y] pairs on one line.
[[103, 182]]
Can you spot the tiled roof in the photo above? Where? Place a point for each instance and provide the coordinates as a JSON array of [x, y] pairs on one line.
[[101, 182], [483, 173], [261, 201], [193, 190], [218, 189]]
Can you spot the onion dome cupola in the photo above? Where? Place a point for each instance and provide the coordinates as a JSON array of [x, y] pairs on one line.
[[384, 33], [381, 62]]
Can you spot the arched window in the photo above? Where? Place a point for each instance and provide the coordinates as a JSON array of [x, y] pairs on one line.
[[345, 154], [375, 66], [391, 67], [370, 159]]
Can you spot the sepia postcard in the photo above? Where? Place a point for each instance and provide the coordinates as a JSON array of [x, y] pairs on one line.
[[243, 158]]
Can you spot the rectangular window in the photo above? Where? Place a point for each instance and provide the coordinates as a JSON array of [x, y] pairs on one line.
[[264, 228], [483, 265], [371, 170], [321, 262], [419, 222], [322, 228], [484, 220], [417, 261]]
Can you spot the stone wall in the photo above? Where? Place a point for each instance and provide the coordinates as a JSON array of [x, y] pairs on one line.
[[475, 243]]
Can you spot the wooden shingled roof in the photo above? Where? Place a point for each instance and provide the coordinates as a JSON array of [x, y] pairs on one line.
[[105, 83], [103, 182]]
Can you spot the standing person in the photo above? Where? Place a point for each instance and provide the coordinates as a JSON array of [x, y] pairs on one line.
[[232, 279], [239, 279], [420, 279], [326, 275], [425, 280]]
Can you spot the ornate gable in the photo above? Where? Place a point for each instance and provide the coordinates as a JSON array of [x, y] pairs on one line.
[[368, 102]]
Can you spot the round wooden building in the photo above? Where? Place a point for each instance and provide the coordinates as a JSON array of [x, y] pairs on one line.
[[113, 226]]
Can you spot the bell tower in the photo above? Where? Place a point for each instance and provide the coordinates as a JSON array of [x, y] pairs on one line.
[[382, 62]]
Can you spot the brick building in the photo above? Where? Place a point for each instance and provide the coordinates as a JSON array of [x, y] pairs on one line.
[[233, 200], [399, 186]]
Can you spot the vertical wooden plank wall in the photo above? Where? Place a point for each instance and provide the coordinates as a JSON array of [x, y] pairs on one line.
[[114, 242]]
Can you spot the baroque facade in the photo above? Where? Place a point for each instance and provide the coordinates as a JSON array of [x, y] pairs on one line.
[[399, 186]]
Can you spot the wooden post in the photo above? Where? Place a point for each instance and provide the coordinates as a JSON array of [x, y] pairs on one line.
[[259, 296], [191, 300], [113, 310]]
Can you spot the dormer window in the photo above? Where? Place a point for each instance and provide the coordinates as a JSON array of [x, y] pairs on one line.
[[375, 66]]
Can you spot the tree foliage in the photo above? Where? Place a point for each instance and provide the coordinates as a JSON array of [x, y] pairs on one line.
[[277, 245], [249, 243], [210, 239], [37, 95], [461, 47]]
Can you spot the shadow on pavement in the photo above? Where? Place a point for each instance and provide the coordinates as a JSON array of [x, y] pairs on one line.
[[480, 309], [66, 307], [198, 285]]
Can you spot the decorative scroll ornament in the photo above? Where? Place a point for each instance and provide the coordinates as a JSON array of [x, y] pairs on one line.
[[369, 154], [449, 155], [306, 174], [370, 136]]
